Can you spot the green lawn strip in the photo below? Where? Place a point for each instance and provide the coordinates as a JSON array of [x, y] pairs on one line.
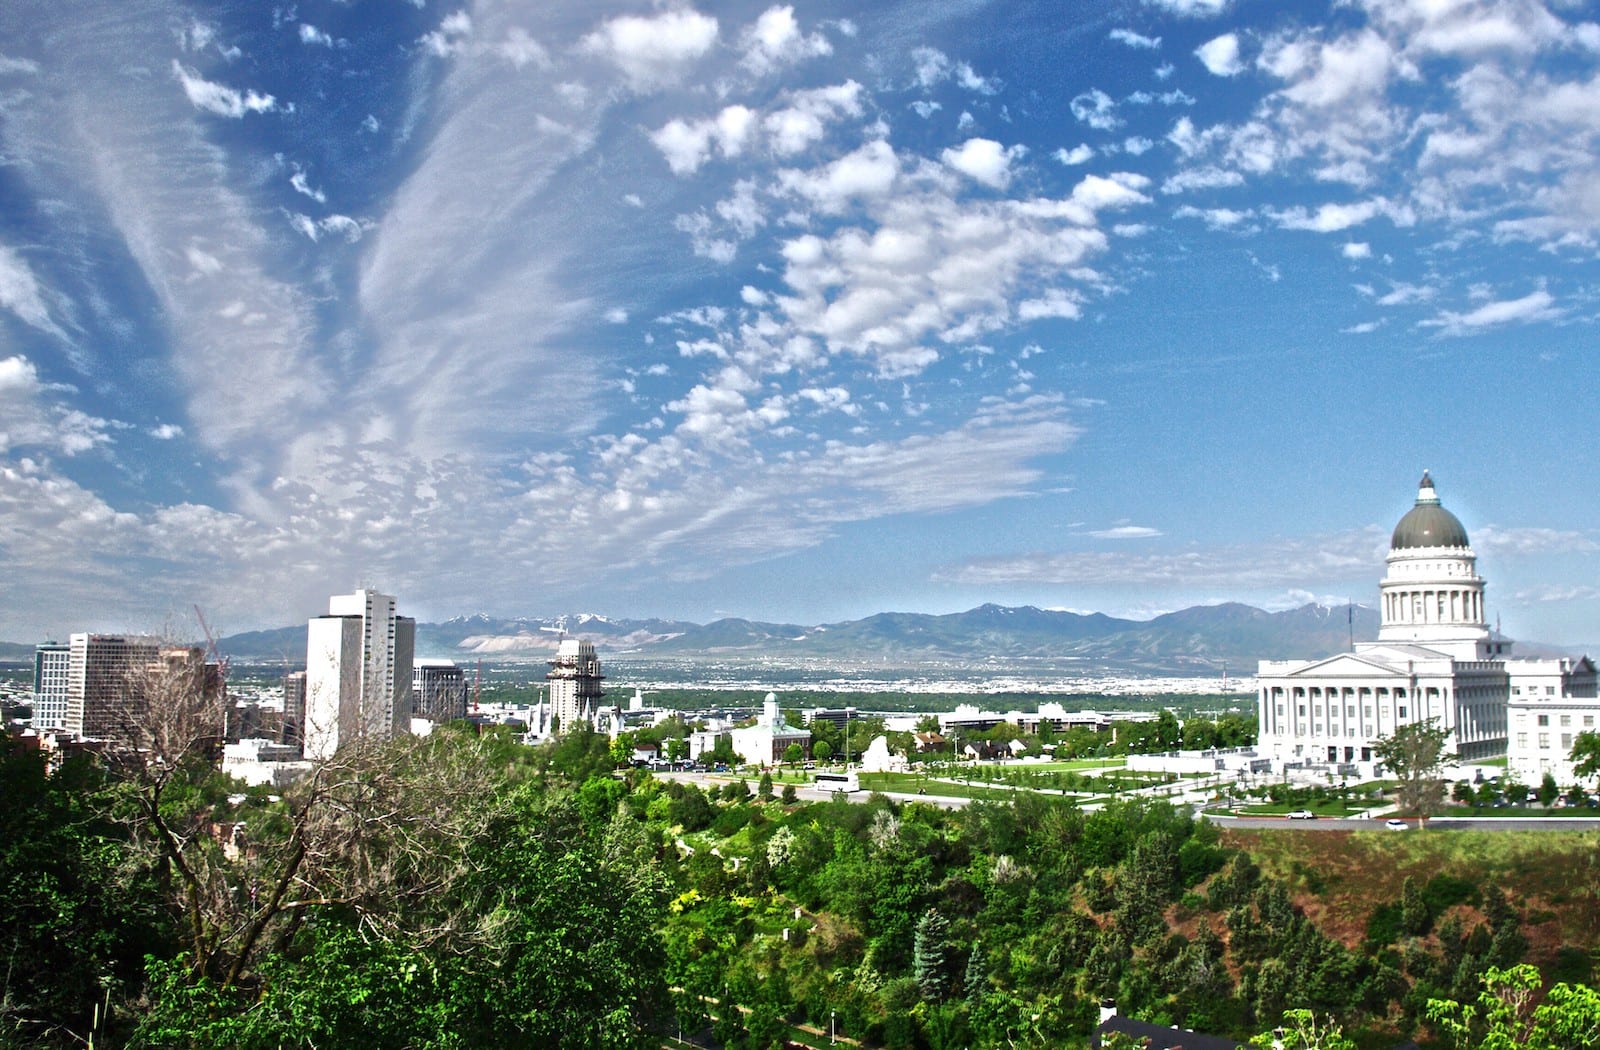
[[1514, 812], [944, 789], [1321, 809]]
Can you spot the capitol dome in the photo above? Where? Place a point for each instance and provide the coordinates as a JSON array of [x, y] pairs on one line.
[[1428, 524]]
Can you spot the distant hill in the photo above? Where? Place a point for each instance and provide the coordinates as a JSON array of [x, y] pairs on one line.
[[1195, 640]]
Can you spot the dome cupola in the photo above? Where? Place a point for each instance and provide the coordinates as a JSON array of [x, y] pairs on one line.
[[1428, 524]]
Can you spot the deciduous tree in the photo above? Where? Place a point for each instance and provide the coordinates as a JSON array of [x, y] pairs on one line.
[[1415, 753]]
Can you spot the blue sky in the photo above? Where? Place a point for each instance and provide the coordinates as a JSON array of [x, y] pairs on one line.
[[790, 312]]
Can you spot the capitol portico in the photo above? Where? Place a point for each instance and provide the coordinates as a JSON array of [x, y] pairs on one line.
[[1435, 658]]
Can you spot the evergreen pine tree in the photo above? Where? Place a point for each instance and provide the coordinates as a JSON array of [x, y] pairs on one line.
[[1414, 918], [976, 981], [928, 955]]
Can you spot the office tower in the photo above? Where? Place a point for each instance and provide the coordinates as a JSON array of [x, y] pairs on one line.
[[294, 707], [358, 672], [50, 663], [439, 691], [574, 683], [105, 695]]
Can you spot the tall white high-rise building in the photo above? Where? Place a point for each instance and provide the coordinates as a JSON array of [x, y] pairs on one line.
[[574, 683], [104, 696], [358, 672]]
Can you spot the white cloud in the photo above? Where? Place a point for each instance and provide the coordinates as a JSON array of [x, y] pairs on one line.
[[1215, 218], [804, 118], [1096, 109], [1079, 154], [1220, 55], [656, 51], [1126, 532], [310, 34], [1329, 218], [1356, 250], [801, 121], [1535, 306], [932, 66], [1137, 145], [1404, 292], [1191, 8], [28, 421], [1364, 328], [1206, 177], [521, 49], [867, 172], [1313, 562], [686, 146], [166, 431], [219, 99], [775, 40], [21, 293], [298, 181], [985, 161], [451, 36], [1132, 39], [17, 65]]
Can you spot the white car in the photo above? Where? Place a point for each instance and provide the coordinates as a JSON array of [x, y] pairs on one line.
[[1302, 814], [1397, 825]]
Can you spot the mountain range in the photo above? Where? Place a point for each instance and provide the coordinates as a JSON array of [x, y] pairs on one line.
[[1198, 640]]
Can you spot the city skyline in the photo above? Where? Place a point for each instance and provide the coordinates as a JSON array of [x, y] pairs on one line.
[[790, 312]]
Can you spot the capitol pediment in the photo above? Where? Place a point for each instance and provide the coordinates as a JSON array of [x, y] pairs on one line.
[[1347, 665]]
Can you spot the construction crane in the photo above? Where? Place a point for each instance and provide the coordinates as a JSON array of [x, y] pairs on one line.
[[211, 647], [222, 673]]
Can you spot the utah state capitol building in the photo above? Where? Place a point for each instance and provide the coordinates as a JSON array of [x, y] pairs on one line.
[[1435, 658]]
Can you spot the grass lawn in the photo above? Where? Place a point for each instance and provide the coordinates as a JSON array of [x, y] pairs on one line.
[[910, 784], [1321, 809], [1519, 811]]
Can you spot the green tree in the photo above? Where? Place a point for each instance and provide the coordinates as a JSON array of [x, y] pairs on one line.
[[1414, 916], [928, 962], [1300, 1030], [1415, 753], [1549, 791], [1505, 1016], [764, 787], [1585, 754], [793, 754], [1169, 734], [821, 750], [76, 919]]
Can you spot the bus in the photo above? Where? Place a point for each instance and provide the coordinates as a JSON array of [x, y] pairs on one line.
[[837, 782]]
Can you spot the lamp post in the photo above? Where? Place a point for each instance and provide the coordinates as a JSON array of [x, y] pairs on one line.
[[831, 1039]]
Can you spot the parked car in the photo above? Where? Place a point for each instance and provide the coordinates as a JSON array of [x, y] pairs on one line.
[[1397, 825], [1302, 814]]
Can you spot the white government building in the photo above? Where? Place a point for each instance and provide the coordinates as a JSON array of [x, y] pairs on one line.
[[1435, 658]]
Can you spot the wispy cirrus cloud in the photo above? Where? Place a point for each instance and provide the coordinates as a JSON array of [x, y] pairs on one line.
[[1296, 562]]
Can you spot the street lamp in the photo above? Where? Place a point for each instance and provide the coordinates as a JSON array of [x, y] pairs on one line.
[[831, 1039]]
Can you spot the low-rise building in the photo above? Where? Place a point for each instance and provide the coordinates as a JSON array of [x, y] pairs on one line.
[[1552, 701]]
